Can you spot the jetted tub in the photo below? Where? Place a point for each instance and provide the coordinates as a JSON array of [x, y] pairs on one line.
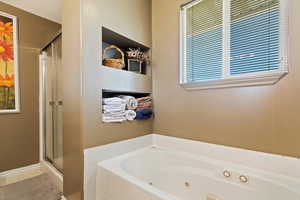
[[156, 173]]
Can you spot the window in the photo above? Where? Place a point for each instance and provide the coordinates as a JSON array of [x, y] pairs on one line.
[[227, 43]]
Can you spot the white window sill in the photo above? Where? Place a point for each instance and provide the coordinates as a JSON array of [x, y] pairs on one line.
[[237, 81]]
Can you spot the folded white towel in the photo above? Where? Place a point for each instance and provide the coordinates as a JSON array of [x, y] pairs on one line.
[[130, 115], [115, 114], [114, 108], [113, 120], [113, 101], [131, 102]]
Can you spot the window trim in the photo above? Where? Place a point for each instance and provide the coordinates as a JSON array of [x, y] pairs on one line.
[[249, 79]]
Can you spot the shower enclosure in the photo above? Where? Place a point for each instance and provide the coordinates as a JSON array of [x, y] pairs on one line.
[[52, 103]]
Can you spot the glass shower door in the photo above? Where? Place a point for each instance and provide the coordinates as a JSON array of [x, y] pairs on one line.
[[53, 104]]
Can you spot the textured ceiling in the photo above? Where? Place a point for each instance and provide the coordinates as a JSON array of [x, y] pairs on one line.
[[49, 9]]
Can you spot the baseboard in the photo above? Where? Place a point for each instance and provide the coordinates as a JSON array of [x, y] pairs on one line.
[[19, 174]]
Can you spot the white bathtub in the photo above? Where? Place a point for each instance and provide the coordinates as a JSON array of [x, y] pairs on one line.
[[156, 173]]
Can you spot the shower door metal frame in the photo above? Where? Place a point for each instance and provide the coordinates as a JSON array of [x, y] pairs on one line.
[[43, 108]]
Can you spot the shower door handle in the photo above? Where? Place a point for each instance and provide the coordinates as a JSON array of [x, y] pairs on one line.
[[57, 103], [60, 103]]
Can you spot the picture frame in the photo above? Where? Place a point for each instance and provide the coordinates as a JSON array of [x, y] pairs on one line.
[[9, 64], [135, 65]]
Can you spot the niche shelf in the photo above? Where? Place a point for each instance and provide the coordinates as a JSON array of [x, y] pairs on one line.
[[111, 37], [121, 79], [113, 93]]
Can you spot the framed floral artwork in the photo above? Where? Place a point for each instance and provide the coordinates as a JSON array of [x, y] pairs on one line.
[[9, 79]]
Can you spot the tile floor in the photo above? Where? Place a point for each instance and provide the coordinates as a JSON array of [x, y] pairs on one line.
[[37, 188]]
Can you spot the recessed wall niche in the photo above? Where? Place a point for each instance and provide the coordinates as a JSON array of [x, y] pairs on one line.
[[114, 50]]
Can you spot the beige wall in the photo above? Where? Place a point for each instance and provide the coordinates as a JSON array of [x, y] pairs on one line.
[[72, 98], [19, 133], [265, 118], [259, 118], [131, 18], [83, 127]]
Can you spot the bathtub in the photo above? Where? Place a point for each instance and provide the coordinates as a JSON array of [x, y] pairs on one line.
[[157, 173]]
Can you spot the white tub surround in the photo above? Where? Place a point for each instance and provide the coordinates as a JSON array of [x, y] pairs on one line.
[[94, 155], [277, 164], [177, 169], [63, 198]]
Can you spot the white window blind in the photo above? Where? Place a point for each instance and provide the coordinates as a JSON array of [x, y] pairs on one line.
[[204, 41], [232, 40], [254, 38]]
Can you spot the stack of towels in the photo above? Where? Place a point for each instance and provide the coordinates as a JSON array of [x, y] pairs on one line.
[[119, 109], [144, 108], [114, 110], [122, 108]]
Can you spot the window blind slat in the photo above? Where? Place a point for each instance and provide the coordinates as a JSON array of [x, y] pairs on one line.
[[204, 41], [254, 32]]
